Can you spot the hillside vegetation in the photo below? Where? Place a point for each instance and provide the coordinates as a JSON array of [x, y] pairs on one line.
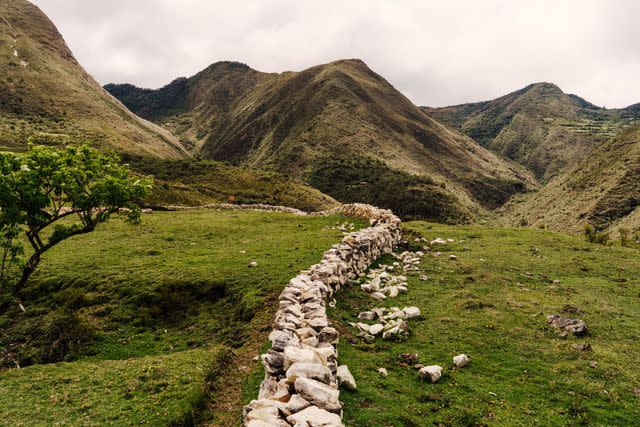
[[47, 96], [538, 126], [602, 190], [491, 304], [191, 182], [292, 122], [142, 311]]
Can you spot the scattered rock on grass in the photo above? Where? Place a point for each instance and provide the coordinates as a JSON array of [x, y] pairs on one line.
[[345, 379], [383, 372], [431, 373], [461, 360], [565, 325]]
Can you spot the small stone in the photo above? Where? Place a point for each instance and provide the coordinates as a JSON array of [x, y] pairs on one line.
[[461, 360], [453, 257], [581, 347], [383, 372], [345, 379], [424, 277], [367, 315], [431, 373], [593, 365], [253, 264]]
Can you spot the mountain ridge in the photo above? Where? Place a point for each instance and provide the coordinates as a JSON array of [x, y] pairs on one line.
[[45, 94], [538, 126], [291, 121]]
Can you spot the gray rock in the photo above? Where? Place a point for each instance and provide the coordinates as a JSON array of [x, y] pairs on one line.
[[574, 326], [319, 394]]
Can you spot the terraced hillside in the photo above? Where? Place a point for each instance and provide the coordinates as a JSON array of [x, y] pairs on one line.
[[538, 126], [46, 96], [602, 190], [327, 123]]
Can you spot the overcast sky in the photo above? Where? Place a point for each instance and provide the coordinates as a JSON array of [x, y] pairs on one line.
[[436, 52]]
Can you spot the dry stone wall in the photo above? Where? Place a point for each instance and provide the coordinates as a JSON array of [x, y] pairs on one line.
[[302, 374]]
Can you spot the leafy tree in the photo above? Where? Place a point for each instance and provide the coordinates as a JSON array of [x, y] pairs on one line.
[[49, 194]]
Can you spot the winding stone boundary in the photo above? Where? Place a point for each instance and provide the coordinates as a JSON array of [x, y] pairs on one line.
[[300, 387]]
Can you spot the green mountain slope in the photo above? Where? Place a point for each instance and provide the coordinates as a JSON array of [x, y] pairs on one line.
[[538, 126], [603, 190], [304, 123], [46, 95]]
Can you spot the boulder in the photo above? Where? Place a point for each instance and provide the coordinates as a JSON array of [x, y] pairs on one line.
[[431, 373], [345, 379]]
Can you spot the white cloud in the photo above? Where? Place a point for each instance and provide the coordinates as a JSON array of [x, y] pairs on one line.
[[437, 53]]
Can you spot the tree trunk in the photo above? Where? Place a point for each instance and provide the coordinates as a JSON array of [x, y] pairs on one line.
[[28, 269]]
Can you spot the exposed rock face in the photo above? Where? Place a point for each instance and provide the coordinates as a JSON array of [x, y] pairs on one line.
[[301, 370]]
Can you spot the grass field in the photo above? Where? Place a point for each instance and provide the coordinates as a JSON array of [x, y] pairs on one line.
[[165, 293], [491, 304]]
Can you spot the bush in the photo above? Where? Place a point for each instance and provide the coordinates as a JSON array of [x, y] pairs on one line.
[[594, 236], [625, 236]]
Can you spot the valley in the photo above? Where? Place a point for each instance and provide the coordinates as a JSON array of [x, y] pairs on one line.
[[306, 248]]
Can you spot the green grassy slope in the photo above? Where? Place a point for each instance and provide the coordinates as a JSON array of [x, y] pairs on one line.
[[178, 281], [602, 190], [491, 304], [538, 126], [152, 390], [193, 182], [46, 95], [294, 122]]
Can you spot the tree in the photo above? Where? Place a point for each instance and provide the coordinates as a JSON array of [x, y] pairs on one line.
[[49, 194]]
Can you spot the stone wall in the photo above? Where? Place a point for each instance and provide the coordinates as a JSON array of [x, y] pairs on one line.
[[300, 387]]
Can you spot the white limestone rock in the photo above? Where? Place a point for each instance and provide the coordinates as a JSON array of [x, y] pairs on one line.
[[345, 379], [314, 371], [319, 394], [461, 360], [315, 417], [431, 373]]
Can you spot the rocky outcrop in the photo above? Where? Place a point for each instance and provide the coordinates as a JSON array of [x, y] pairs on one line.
[[301, 369]]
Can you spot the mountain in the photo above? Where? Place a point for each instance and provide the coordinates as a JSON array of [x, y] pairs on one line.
[[333, 123], [46, 95], [538, 126], [603, 190]]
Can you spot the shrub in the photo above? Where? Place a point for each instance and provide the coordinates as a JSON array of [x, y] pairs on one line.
[[625, 236], [594, 236]]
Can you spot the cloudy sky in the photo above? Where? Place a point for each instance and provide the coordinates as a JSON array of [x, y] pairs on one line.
[[435, 52]]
